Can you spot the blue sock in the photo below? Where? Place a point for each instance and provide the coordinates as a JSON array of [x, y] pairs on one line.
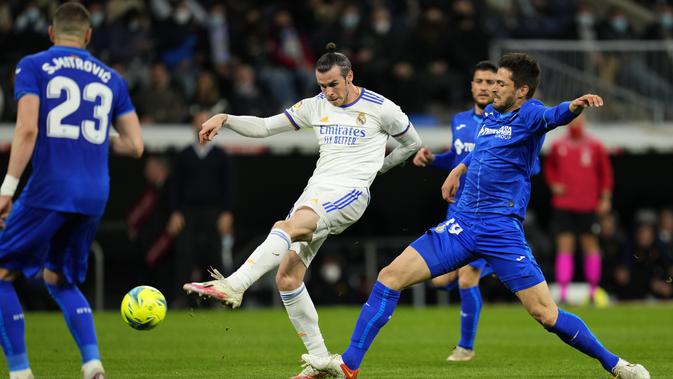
[[78, 316], [470, 308], [573, 331], [12, 328], [375, 313]]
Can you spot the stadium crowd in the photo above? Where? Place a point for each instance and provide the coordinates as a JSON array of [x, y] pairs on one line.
[[256, 57], [183, 57]]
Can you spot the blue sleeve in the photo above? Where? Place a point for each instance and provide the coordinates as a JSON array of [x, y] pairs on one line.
[[444, 160], [543, 119], [123, 102], [27, 79], [536, 167], [466, 161]]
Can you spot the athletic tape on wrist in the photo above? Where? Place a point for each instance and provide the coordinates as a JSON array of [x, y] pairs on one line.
[[9, 186]]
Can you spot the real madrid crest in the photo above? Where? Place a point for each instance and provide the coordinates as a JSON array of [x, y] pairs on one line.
[[361, 119]]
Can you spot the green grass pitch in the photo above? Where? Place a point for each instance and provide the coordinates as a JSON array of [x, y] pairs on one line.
[[414, 344]]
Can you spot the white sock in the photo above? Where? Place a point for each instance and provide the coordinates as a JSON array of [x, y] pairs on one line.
[[92, 367], [265, 258], [21, 374], [304, 317]]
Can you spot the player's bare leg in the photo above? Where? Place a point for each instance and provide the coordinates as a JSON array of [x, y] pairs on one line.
[[266, 257], [444, 280], [573, 331], [565, 247]]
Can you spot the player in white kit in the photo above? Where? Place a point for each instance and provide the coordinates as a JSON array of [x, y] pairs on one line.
[[352, 125]]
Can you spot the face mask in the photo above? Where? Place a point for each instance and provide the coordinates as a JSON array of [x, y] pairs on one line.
[[97, 19], [182, 16], [33, 14], [666, 20], [585, 19], [382, 27], [619, 24], [216, 20], [350, 20]]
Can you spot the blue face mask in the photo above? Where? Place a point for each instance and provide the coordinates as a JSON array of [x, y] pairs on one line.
[[585, 19], [666, 21], [620, 24], [350, 20], [97, 19]]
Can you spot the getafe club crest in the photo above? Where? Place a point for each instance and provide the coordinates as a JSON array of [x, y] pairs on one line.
[[361, 119]]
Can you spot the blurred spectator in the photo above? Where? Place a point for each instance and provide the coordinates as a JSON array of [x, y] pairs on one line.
[[207, 96], [246, 97], [428, 52], [218, 30], [201, 215], [661, 62], [292, 77], [584, 27], [665, 225], [631, 68], [616, 26], [613, 247], [378, 51], [147, 223], [662, 28], [467, 40], [579, 173], [347, 32], [647, 268], [159, 103]]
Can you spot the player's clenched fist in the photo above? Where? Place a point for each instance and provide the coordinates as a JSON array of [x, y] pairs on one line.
[[423, 157], [210, 128], [585, 101]]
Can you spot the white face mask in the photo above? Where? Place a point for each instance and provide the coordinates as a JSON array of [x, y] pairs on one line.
[[585, 19], [97, 19], [182, 15], [350, 20], [382, 27], [331, 272]]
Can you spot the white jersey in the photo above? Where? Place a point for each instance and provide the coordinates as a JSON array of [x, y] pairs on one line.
[[352, 137]]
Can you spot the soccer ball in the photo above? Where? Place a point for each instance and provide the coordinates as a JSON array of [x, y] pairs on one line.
[[143, 308]]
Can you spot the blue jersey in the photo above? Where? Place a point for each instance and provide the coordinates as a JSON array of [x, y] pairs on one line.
[[79, 98], [464, 126], [504, 158]]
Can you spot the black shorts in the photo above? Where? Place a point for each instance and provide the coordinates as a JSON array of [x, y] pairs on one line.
[[574, 222]]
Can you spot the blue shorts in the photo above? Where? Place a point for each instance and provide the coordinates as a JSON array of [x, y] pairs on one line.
[[499, 240], [37, 238]]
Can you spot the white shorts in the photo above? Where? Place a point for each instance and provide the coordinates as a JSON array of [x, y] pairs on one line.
[[338, 208]]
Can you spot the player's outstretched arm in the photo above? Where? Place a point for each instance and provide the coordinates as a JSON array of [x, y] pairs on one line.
[[129, 141], [249, 126], [409, 141], [585, 101], [23, 144]]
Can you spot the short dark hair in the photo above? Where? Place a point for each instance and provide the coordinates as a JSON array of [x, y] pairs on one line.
[[484, 66], [71, 18], [525, 70], [332, 58]]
